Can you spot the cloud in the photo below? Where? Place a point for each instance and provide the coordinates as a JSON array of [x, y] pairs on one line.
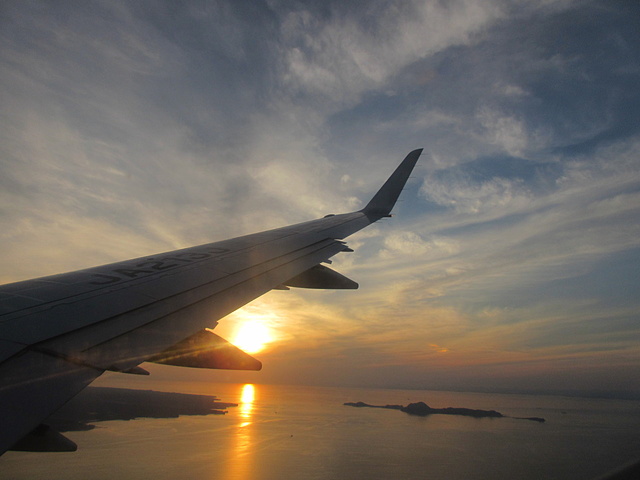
[[504, 131], [411, 245], [468, 196], [350, 51]]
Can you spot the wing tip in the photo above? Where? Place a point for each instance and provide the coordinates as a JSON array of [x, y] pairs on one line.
[[384, 200]]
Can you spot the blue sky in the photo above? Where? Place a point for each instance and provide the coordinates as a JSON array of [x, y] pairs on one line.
[[513, 263]]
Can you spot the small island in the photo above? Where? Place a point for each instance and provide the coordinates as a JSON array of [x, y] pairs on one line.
[[422, 409]]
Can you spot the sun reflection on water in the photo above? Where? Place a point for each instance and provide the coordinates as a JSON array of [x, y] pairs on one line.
[[246, 403], [240, 463]]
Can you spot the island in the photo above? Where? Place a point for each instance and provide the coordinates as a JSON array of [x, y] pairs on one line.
[[422, 409]]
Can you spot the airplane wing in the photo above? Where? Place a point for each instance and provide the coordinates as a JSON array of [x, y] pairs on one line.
[[59, 333]]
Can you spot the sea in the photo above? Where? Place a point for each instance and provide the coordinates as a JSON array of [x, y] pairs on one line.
[[301, 432]]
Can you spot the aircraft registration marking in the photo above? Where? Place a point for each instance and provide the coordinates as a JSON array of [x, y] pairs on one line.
[[154, 265]]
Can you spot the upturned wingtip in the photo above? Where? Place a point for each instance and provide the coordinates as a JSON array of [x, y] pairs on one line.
[[383, 201]]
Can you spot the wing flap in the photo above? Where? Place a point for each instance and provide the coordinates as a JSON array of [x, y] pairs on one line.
[[44, 439], [321, 277], [205, 349]]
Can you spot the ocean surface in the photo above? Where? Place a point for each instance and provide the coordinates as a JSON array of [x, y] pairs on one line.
[[290, 432]]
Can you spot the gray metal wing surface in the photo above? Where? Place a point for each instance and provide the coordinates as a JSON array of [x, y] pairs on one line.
[[59, 333]]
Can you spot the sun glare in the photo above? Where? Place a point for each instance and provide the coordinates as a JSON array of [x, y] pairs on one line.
[[252, 337]]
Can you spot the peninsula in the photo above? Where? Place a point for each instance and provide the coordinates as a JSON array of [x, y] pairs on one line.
[[99, 404]]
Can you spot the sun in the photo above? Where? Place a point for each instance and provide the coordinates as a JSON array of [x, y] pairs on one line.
[[252, 337], [252, 328]]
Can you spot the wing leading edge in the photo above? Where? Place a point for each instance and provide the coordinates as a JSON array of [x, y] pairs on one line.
[[59, 333]]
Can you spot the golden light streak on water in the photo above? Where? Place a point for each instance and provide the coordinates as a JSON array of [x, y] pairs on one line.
[[246, 403], [240, 461]]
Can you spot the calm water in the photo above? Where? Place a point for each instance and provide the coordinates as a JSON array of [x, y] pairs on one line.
[[281, 432]]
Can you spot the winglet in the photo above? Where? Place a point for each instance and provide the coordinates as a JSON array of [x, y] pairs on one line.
[[383, 201]]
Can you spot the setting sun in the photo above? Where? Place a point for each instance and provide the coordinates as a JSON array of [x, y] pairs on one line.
[[251, 337], [252, 328]]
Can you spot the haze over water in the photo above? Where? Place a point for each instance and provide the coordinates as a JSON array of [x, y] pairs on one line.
[[306, 432]]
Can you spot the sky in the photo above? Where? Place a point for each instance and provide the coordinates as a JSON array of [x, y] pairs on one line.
[[512, 263]]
